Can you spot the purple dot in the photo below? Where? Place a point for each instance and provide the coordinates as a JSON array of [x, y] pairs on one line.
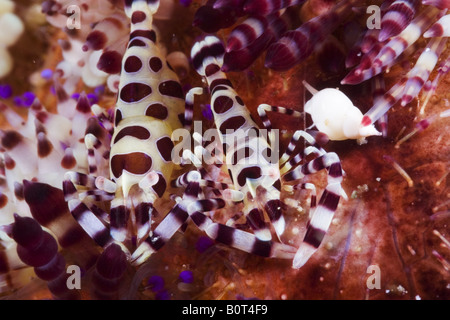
[[75, 96], [155, 283], [92, 98], [186, 276], [185, 3], [207, 112], [5, 91], [46, 73], [99, 90], [203, 243], [162, 295], [18, 101], [28, 98]]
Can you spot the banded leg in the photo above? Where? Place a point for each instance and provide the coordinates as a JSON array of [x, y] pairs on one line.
[[189, 106], [225, 189], [255, 217], [233, 237], [378, 91], [263, 108], [91, 143], [295, 160], [84, 186], [83, 190], [323, 214], [314, 148], [205, 152], [90, 222], [171, 222], [104, 118], [142, 206], [305, 186], [91, 218], [298, 158], [262, 113], [212, 152], [77, 185]]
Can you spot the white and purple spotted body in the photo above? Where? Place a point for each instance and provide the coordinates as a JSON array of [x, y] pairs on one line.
[[150, 105], [254, 170]]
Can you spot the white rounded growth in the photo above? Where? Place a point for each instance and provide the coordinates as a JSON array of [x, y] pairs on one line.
[[11, 29], [6, 62], [92, 76], [334, 114], [34, 16], [6, 6]]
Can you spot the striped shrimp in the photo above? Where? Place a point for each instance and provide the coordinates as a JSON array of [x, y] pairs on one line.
[[149, 107], [392, 49], [296, 45], [383, 55], [254, 172], [248, 40]]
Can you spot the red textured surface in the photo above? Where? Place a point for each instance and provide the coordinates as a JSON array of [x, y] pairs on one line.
[[389, 225]]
